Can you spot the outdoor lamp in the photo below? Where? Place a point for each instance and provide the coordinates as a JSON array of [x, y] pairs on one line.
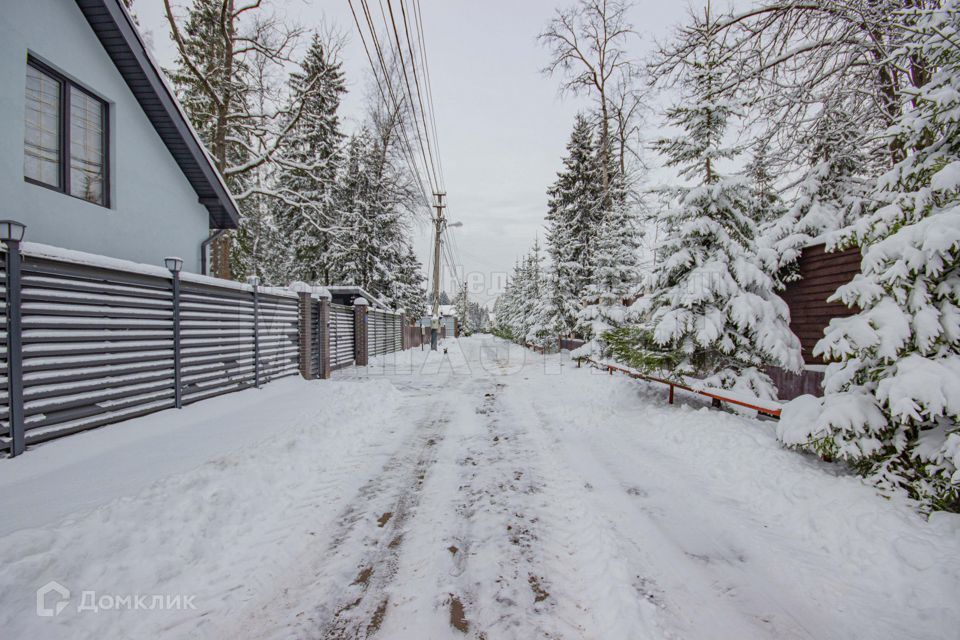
[[253, 281], [173, 263], [11, 230]]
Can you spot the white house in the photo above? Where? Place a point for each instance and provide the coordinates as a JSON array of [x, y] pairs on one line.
[[96, 154]]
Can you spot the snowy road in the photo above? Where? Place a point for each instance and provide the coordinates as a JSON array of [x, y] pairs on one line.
[[488, 493]]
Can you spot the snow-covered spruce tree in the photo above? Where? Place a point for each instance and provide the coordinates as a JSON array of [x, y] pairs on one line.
[[228, 60], [309, 158], [462, 307], [892, 394], [713, 312], [260, 245], [573, 216], [530, 298], [516, 307], [549, 318], [370, 233], [406, 290], [830, 197], [768, 206], [614, 269], [506, 308]]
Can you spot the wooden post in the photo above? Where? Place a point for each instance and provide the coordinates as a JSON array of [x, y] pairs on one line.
[[670, 400]]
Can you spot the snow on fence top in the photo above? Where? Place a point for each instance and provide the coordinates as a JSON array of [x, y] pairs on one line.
[[38, 250]]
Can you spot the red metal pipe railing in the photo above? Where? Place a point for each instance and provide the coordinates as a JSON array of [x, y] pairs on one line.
[[773, 413]]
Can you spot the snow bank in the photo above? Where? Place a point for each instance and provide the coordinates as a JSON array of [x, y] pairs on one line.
[[186, 506]]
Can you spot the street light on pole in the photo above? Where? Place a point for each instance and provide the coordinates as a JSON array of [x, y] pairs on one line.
[[11, 234]]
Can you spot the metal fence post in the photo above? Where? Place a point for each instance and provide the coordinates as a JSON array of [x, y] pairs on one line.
[[14, 340], [177, 367], [254, 281], [174, 264]]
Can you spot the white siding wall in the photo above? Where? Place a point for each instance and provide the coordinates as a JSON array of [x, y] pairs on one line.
[[153, 209]]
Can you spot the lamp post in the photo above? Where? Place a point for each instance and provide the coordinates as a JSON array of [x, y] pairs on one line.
[[11, 234], [175, 264]]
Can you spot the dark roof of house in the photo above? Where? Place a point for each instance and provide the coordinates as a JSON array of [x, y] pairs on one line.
[[347, 293], [118, 35]]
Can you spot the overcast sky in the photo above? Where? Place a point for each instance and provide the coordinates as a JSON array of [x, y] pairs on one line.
[[501, 124]]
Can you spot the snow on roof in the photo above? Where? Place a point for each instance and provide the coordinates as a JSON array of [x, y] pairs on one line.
[[354, 290]]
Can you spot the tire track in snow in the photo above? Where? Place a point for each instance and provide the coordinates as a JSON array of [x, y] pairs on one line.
[[558, 572], [358, 609], [593, 592], [341, 592], [492, 507], [714, 574]]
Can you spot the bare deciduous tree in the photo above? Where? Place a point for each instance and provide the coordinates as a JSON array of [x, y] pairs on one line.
[[587, 44], [229, 77]]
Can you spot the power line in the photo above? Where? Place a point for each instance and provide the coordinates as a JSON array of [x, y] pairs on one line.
[[426, 66], [425, 150], [406, 147], [416, 82]]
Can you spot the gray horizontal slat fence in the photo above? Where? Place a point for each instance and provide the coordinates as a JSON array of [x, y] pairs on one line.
[[98, 343], [385, 333], [217, 346], [341, 336], [97, 346], [4, 406], [279, 335], [317, 342], [396, 332]]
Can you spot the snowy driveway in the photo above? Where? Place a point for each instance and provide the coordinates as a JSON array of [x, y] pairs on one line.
[[489, 493]]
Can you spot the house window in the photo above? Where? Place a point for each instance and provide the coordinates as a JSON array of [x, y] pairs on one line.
[[65, 145]]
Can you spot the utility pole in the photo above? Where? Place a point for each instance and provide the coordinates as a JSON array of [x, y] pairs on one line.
[[466, 310], [439, 223]]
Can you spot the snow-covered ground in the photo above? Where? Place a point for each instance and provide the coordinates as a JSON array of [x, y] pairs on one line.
[[486, 493]]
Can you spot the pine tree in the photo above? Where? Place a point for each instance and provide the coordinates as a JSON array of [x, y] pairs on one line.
[[310, 157], [713, 312], [356, 210], [892, 402], [574, 212], [406, 290], [530, 293], [768, 205], [615, 273], [831, 196], [224, 77], [260, 246], [510, 307]]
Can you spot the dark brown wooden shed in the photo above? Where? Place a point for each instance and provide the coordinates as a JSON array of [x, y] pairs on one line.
[[821, 274]]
